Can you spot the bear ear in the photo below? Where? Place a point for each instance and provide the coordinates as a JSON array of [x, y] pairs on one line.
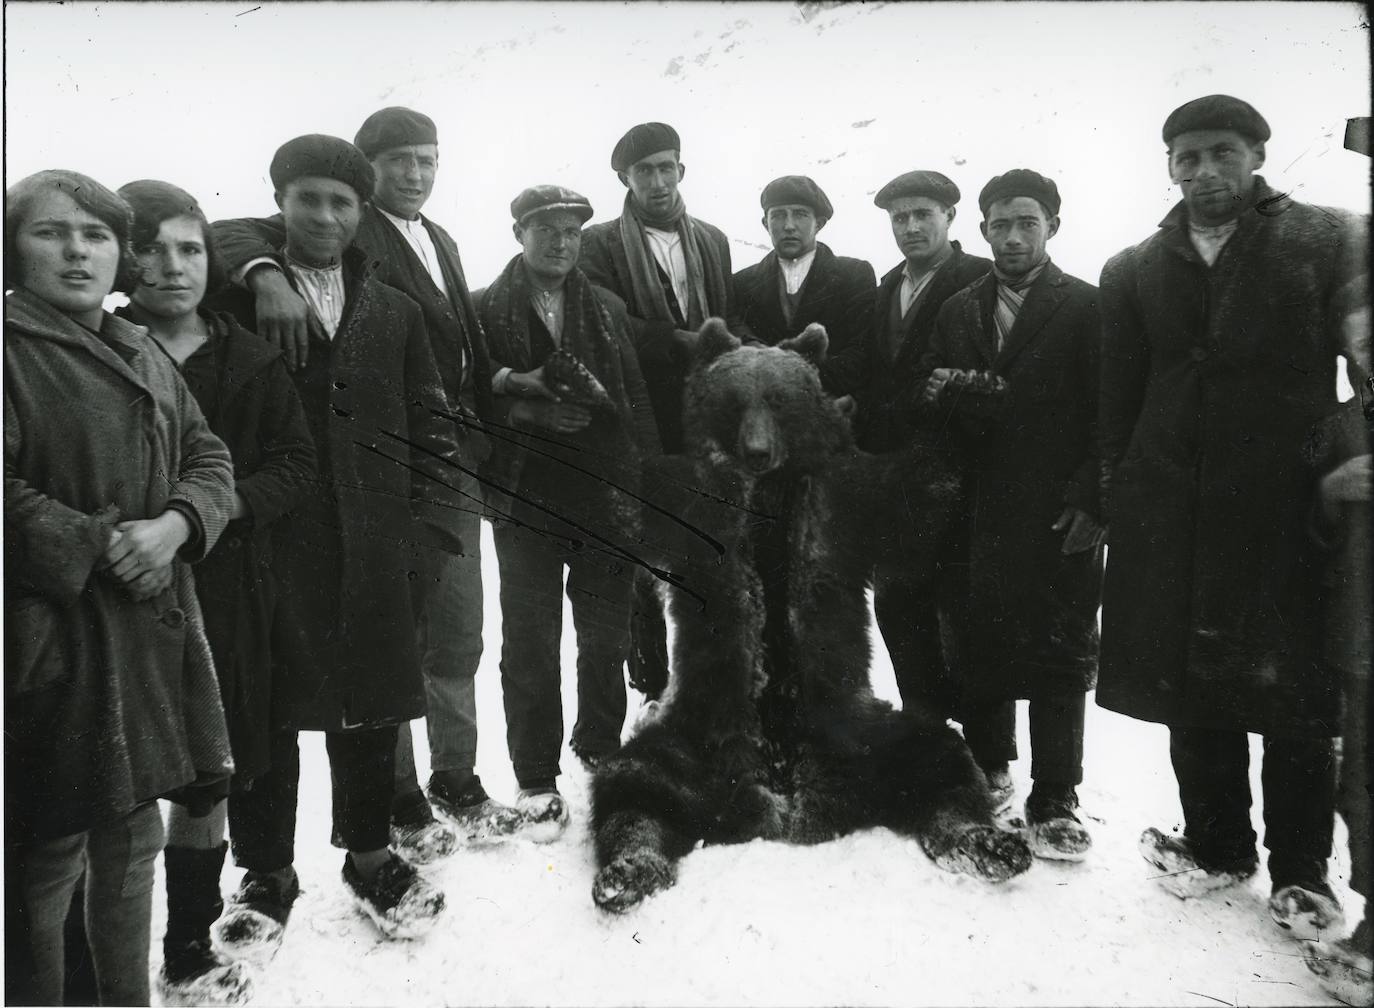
[[713, 340], [811, 344]]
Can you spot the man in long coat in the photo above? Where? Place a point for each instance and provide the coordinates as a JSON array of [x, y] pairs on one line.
[[345, 646], [801, 281], [1012, 372], [1220, 336], [419, 258], [672, 270], [881, 373]]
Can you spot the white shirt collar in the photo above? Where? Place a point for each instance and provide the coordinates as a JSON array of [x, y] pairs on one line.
[[795, 271]]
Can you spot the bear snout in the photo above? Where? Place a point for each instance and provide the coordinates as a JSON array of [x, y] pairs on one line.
[[760, 448]]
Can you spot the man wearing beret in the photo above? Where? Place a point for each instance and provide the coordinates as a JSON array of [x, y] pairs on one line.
[[569, 392], [672, 271], [344, 644], [880, 372], [419, 258], [801, 281], [1220, 338], [1012, 376]]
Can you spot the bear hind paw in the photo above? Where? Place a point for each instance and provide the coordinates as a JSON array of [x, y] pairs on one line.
[[988, 853], [626, 881]]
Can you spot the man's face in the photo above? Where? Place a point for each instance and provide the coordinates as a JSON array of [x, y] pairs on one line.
[[1215, 170], [405, 178], [552, 241], [174, 267], [1018, 231], [920, 226], [653, 181], [792, 227], [321, 216], [68, 257]]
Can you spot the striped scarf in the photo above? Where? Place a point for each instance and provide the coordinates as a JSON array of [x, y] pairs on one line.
[[1011, 294], [706, 279]]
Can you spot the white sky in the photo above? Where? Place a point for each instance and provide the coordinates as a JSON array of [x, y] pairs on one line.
[[202, 94]]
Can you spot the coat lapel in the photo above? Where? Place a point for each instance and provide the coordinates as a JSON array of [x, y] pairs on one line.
[[1042, 301], [942, 285], [767, 296], [816, 288]]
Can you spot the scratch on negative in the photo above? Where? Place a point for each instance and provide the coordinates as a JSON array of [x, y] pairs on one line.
[[1210, 998], [248, 11]]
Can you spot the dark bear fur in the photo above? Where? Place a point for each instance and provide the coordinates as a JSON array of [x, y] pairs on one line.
[[769, 727]]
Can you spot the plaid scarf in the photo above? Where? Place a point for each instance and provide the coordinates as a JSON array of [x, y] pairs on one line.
[[1011, 294], [706, 281]]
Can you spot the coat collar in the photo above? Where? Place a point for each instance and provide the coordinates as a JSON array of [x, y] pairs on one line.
[[32, 315], [1043, 299], [942, 285], [1264, 203]]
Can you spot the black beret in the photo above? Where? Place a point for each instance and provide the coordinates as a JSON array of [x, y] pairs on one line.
[[641, 141], [1020, 182], [394, 127], [319, 155], [549, 197], [930, 184], [1217, 112], [796, 189]]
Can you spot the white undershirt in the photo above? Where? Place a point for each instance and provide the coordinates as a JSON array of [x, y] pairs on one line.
[[1209, 241], [795, 271], [417, 236], [667, 249], [323, 290]]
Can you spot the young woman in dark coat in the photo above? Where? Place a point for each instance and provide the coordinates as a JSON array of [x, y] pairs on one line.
[[250, 402]]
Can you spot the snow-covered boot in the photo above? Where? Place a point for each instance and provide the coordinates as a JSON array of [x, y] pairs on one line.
[[1182, 874], [1053, 828], [192, 974], [422, 839], [477, 816], [254, 922], [398, 899], [1309, 910], [1344, 967], [543, 812]]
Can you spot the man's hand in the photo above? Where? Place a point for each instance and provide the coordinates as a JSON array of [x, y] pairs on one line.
[[145, 546], [562, 418], [282, 313], [935, 384], [1083, 533], [529, 384]]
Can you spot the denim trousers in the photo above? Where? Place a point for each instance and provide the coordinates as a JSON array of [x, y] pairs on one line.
[[118, 859]]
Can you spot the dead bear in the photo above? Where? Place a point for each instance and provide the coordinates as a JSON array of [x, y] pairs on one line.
[[768, 528]]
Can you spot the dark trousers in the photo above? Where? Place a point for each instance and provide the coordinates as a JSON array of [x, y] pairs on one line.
[[1299, 781], [531, 565], [1056, 737], [362, 767], [908, 615]]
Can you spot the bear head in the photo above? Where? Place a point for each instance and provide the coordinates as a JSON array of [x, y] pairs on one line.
[[762, 409]]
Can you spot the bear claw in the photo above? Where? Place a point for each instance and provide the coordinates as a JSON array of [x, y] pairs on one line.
[[625, 882], [988, 853]]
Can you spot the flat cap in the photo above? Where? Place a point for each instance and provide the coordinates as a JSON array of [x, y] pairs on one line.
[[537, 199], [930, 184], [316, 154], [641, 141], [1217, 112], [394, 127], [1020, 182], [796, 189]]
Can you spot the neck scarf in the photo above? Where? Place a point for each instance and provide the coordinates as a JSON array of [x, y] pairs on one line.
[[706, 280], [1011, 294]]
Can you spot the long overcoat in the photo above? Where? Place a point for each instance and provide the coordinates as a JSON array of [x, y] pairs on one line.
[[837, 293], [109, 702], [1212, 380], [1026, 624], [884, 386], [344, 647]]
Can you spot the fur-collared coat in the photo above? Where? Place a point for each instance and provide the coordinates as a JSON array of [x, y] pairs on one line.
[[837, 293], [1026, 624], [109, 702], [1212, 379]]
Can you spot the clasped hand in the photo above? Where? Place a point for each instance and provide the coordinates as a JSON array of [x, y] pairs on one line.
[[1081, 532], [140, 553]]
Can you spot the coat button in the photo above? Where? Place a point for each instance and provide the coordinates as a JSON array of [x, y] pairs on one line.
[[174, 618], [1198, 353]]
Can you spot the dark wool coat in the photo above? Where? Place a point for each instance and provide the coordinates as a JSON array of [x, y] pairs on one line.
[[1027, 624], [664, 367], [451, 322], [109, 702], [254, 408], [837, 293], [883, 387], [344, 647], [1212, 380]]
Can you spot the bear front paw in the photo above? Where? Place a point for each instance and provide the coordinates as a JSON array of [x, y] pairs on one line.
[[988, 853], [623, 883]]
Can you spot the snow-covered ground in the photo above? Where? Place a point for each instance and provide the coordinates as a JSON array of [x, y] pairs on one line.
[[867, 919]]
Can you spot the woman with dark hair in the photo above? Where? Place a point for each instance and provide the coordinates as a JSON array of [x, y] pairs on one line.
[[242, 386], [113, 484]]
